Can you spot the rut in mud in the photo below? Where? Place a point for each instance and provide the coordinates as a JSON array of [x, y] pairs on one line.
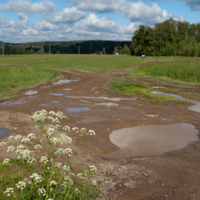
[[87, 101]]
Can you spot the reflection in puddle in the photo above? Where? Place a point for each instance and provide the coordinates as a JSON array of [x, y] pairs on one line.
[[152, 140], [77, 109], [67, 89], [196, 107], [55, 94], [30, 92], [106, 104], [55, 101], [4, 132], [92, 119], [103, 98], [43, 104], [151, 115], [8, 103], [63, 82]]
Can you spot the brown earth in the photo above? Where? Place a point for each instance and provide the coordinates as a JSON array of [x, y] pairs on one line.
[[173, 175]]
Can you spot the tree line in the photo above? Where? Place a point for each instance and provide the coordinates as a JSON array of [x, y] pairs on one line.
[[72, 47], [165, 39]]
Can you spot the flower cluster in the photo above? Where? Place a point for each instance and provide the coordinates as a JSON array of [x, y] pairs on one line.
[[93, 168], [36, 177], [6, 161], [42, 192], [24, 154], [9, 191], [53, 183], [44, 159], [21, 185]]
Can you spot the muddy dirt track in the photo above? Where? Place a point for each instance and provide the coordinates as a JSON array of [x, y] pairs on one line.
[[88, 103]]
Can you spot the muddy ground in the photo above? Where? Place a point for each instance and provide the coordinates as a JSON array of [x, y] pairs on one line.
[[172, 175]]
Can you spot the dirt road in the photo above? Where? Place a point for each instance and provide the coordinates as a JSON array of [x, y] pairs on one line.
[[87, 101]]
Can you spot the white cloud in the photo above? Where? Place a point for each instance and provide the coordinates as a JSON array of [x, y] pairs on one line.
[[145, 14], [68, 15], [98, 5], [25, 6], [23, 17]]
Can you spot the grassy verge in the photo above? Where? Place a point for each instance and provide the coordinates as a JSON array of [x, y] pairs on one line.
[[142, 90], [13, 79], [182, 69], [90, 63]]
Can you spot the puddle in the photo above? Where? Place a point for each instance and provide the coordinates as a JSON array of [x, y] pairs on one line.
[[55, 101], [30, 92], [102, 98], [77, 109], [43, 104], [106, 104], [67, 89], [64, 82], [44, 87], [8, 103], [157, 87], [92, 119], [4, 132], [152, 140], [196, 107], [94, 88], [56, 94], [151, 115]]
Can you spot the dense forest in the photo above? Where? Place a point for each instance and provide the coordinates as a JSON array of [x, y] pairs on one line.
[[168, 38], [72, 47]]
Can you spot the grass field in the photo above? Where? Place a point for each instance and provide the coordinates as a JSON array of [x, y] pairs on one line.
[[13, 79], [90, 63], [183, 69]]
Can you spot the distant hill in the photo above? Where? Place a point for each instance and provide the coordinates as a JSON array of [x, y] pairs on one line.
[[64, 47]]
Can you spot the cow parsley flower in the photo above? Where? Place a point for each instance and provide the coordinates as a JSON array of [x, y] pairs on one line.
[[6, 161], [9, 191], [10, 149], [94, 182], [38, 146], [21, 185], [93, 168], [53, 183], [42, 192]]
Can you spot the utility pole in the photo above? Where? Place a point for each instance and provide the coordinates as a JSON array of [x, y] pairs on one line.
[[104, 51], [3, 49], [79, 49], [49, 49]]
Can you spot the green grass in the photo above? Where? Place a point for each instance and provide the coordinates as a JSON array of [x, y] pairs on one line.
[[90, 63], [142, 90], [13, 79], [182, 69]]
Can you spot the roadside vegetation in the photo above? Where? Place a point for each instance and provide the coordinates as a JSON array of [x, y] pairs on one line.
[[181, 72], [13, 79], [34, 173]]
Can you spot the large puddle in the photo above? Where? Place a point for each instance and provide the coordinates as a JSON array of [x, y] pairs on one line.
[[77, 109], [152, 140], [61, 82], [4, 132], [196, 107]]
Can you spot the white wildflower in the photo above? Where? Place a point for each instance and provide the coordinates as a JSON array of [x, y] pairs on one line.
[[9, 191], [91, 132], [10, 149], [36, 177], [21, 185], [49, 199], [59, 151], [67, 151], [38, 146], [31, 136], [69, 181], [93, 168], [58, 164], [42, 192], [65, 139], [54, 140], [39, 116], [67, 128], [77, 191], [11, 137], [50, 131], [75, 128], [24, 154], [18, 137], [25, 140], [83, 129], [53, 183], [66, 168], [6, 161], [94, 182], [20, 147], [44, 159], [3, 144], [31, 160], [60, 115], [52, 113]]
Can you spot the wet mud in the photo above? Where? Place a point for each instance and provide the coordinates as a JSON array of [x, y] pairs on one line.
[[85, 98]]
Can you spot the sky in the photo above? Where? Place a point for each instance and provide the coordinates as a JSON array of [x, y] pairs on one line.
[[68, 20]]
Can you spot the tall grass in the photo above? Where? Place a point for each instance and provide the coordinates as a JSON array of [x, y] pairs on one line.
[[183, 69], [90, 63], [13, 79]]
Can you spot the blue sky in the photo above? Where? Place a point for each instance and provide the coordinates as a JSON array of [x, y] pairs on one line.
[[66, 20]]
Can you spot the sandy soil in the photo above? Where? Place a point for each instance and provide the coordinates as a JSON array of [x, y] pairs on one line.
[[173, 175]]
